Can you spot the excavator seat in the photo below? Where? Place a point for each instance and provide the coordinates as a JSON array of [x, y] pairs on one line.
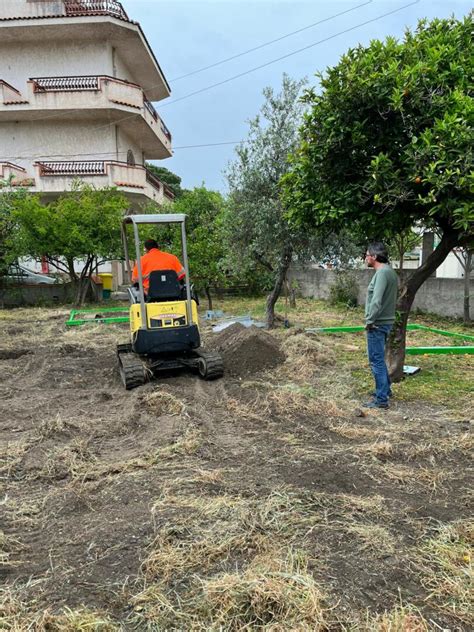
[[164, 286]]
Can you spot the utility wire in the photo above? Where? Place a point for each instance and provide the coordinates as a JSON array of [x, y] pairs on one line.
[[295, 52], [113, 154], [273, 41], [242, 74]]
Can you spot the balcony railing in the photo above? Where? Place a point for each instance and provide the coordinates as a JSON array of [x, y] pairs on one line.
[[95, 7], [65, 84], [149, 106], [72, 168]]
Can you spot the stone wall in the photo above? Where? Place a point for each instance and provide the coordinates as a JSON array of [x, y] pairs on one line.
[[39, 295], [443, 297]]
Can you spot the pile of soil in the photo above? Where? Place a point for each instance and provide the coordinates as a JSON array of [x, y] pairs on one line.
[[247, 350]]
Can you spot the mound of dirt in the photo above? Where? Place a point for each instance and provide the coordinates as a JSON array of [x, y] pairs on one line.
[[247, 350]]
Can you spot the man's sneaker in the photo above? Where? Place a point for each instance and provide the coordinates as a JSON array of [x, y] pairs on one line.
[[374, 404]]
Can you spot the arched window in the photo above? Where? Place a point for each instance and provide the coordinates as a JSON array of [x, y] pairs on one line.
[[130, 158]]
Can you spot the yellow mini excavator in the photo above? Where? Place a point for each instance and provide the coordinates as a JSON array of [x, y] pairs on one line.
[[164, 326]]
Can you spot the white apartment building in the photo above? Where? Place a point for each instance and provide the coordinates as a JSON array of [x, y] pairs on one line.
[[77, 82]]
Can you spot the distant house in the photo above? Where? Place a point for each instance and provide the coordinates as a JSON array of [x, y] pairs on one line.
[[77, 82]]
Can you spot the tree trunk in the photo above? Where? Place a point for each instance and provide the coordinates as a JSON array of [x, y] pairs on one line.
[[207, 289], [467, 288], [408, 290], [272, 298]]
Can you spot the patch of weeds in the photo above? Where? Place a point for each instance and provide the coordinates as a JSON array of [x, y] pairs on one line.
[[374, 537], [160, 402], [17, 616], [273, 592], [270, 593], [72, 461], [11, 457], [186, 445], [349, 431], [413, 477], [8, 546], [256, 410], [400, 619], [446, 565]]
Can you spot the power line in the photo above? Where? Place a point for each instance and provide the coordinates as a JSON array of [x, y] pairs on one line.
[[273, 61], [273, 41], [113, 154]]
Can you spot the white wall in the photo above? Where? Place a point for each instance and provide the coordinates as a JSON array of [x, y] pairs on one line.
[[49, 136], [126, 142], [450, 268], [21, 61]]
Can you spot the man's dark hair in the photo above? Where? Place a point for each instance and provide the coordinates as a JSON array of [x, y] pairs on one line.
[[150, 243], [378, 250]]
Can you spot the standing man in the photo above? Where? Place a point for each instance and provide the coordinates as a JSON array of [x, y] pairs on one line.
[[155, 259], [379, 318]]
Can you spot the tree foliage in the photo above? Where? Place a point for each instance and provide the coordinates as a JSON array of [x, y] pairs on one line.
[[75, 233], [387, 143], [204, 211], [9, 196], [169, 178], [258, 234]]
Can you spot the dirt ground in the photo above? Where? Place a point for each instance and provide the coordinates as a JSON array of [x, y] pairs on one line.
[[264, 500]]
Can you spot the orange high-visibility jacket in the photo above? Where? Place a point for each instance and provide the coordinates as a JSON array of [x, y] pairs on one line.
[[157, 260]]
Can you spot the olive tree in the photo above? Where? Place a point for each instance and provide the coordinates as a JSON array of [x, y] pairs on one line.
[[258, 234], [386, 144]]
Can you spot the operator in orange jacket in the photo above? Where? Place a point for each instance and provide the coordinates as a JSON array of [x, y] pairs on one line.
[[155, 259]]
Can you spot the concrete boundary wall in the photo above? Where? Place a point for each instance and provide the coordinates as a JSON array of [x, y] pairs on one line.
[[443, 297]]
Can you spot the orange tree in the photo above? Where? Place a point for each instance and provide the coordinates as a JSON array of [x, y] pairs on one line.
[[387, 144]]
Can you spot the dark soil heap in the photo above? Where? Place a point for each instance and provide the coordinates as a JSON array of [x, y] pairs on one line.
[[246, 350]]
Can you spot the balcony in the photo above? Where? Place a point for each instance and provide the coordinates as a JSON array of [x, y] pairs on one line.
[[137, 182], [14, 10], [90, 98], [15, 175], [95, 7]]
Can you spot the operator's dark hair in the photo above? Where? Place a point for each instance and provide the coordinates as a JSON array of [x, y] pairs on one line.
[[378, 250], [150, 243]]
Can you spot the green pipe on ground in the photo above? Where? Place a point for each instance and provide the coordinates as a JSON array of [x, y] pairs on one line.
[[439, 350], [468, 349], [73, 321]]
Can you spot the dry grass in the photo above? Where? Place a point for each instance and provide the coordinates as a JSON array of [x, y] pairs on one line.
[[291, 401], [446, 564], [400, 619], [413, 477], [275, 592], [159, 402], [186, 445], [373, 537], [11, 456], [254, 410], [16, 616], [305, 355], [8, 546], [349, 431], [72, 460]]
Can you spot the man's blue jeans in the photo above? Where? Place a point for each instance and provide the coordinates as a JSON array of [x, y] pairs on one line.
[[376, 339]]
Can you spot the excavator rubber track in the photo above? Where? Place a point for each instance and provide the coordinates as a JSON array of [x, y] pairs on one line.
[[210, 365], [132, 370]]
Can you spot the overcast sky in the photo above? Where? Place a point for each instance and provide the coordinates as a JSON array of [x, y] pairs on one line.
[[188, 35]]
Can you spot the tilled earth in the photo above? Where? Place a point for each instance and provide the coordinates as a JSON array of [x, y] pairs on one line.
[[133, 506]]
